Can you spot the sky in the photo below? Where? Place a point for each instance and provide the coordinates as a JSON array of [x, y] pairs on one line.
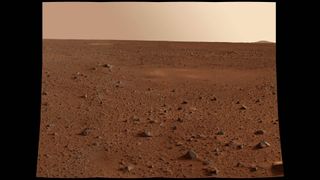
[[165, 21]]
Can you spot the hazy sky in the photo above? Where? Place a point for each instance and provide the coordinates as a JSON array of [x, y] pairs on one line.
[[168, 21]]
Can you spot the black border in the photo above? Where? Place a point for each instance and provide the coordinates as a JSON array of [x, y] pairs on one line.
[[29, 29]]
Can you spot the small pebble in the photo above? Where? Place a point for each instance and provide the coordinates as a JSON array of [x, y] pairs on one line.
[[184, 102], [243, 107], [146, 134]]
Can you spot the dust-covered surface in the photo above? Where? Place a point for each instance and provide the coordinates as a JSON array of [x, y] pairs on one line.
[[158, 109]]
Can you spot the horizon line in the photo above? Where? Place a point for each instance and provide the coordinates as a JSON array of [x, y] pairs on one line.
[[259, 41]]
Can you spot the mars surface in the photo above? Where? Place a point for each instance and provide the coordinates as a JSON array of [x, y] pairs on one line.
[[158, 109]]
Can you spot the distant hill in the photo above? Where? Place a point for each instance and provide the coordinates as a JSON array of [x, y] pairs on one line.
[[263, 42]]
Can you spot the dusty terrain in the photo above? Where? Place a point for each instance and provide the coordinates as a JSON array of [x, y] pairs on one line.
[[158, 109]]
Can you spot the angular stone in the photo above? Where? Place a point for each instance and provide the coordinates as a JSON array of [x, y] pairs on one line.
[[262, 144], [191, 155]]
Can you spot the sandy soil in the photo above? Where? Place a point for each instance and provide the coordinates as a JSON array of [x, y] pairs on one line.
[[158, 109]]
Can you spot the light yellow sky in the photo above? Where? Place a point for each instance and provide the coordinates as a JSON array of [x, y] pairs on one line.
[[167, 21]]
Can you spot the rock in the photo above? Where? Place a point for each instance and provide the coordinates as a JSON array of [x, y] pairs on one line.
[[220, 133], [94, 68], [239, 164], [179, 143], [262, 144], [240, 146], [253, 168], [243, 107], [277, 166], [179, 120], [213, 99], [146, 134], [258, 100], [174, 127], [128, 168], [95, 144], [191, 155], [211, 171], [238, 102], [85, 96], [153, 121], [179, 108], [47, 156], [259, 132], [107, 66], [85, 132], [201, 136], [135, 118], [184, 102], [50, 125], [206, 162], [44, 93], [173, 90]]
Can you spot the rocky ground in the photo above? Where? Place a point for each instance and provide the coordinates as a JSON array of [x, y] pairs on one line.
[[158, 109]]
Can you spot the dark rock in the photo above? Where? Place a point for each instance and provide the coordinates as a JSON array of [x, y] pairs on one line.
[[211, 171], [191, 155], [259, 132], [213, 99], [240, 146], [220, 133], [253, 168], [277, 166], [179, 108], [179, 120], [85, 96], [184, 102], [107, 66], [95, 144]]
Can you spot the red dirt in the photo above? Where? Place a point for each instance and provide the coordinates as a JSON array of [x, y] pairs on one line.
[[88, 128]]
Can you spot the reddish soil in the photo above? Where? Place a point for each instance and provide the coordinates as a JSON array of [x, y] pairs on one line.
[[101, 100]]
